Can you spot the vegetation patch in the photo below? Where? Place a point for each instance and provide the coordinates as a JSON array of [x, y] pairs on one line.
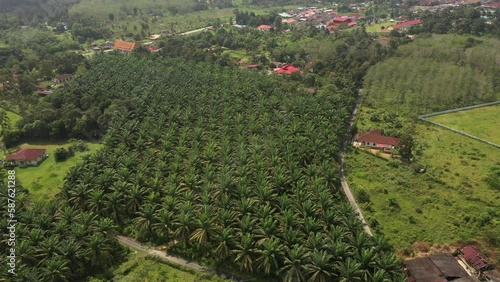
[[451, 202], [436, 72], [140, 267], [46, 180], [481, 122]]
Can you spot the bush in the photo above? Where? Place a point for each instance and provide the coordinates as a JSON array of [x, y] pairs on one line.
[[62, 154], [78, 146], [363, 196], [412, 219]]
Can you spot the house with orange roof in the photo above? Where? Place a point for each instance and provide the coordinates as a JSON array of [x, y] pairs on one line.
[[124, 46]]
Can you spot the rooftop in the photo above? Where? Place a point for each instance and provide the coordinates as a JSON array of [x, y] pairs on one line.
[[124, 45], [375, 136], [26, 155]]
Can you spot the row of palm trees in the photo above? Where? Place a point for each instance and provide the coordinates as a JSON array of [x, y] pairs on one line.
[[238, 173], [225, 167], [55, 243]]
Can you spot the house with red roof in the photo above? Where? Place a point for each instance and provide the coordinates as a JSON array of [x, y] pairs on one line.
[[474, 258], [288, 69], [153, 49], [124, 46], [332, 27], [494, 5], [406, 25], [342, 19], [264, 27], [27, 157], [375, 139]]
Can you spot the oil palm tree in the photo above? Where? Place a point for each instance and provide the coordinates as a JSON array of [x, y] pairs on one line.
[[318, 266]]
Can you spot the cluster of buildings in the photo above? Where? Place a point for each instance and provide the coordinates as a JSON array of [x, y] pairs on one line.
[[124, 47], [470, 265], [321, 18]]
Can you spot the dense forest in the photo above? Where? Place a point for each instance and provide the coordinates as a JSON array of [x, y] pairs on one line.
[[436, 72], [238, 167]]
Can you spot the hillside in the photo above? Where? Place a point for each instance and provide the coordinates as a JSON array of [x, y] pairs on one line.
[[436, 72]]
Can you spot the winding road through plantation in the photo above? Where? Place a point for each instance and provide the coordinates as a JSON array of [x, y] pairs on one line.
[[345, 186]]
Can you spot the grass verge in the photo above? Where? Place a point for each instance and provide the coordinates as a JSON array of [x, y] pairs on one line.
[[142, 267]]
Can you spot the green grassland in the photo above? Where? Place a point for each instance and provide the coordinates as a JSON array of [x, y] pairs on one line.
[[141, 268], [449, 203], [378, 27], [45, 181], [481, 122]]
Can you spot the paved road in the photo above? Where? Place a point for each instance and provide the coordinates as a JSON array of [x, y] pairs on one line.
[[136, 245], [345, 186], [196, 30]]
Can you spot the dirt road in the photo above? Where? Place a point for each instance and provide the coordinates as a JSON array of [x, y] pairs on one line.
[[345, 186]]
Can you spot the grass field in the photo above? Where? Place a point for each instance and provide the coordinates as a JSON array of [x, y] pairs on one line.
[[46, 180], [141, 268], [481, 122], [449, 203], [378, 27]]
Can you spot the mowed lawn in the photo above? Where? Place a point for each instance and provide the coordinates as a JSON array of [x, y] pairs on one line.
[[45, 181], [141, 268], [482, 122], [449, 203]]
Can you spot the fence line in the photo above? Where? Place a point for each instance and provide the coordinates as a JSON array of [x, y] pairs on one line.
[[424, 118], [459, 109]]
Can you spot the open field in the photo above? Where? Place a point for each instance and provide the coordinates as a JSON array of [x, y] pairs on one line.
[[46, 180], [140, 267], [449, 203], [378, 27], [481, 122]]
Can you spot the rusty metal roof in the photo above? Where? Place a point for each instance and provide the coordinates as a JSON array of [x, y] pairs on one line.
[[435, 268]]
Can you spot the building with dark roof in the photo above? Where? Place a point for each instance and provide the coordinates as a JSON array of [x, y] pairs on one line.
[[436, 268], [60, 78], [27, 157]]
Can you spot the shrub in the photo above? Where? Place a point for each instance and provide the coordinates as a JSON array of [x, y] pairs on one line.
[[62, 154], [412, 219], [363, 196], [418, 210]]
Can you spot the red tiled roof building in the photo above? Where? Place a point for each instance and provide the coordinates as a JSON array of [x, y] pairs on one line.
[[124, 46], [27, 157], [288, 69], [375, 139], [406, 24]]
